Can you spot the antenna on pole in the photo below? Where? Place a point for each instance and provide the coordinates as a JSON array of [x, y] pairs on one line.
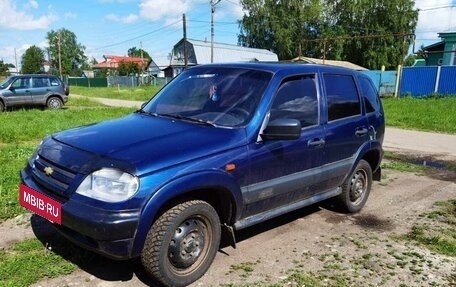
[[213, 3]]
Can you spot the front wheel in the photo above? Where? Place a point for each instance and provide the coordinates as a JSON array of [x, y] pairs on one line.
[[182, 243], [356, 188]]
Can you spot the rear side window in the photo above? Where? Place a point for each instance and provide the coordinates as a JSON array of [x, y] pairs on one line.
[[55, 81], [40, 82], [342, 96], [297, 99], [369, 94]]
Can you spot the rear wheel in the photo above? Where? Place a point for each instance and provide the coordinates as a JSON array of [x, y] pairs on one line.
[[54, 103], [182, 243], [356, 188]]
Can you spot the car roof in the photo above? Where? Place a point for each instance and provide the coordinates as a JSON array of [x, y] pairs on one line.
[[33, 75], [275, 67]]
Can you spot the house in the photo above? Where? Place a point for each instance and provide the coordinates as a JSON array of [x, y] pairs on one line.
[[344, 64], [442, 53], [112, 62], [199, 52]]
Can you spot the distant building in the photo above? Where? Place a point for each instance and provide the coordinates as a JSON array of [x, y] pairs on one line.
[[344, 64], [442, 53], [199, 52], [112, 62]]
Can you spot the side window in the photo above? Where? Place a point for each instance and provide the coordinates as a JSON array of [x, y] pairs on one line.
[[55, 81], [21, 83], [297, 99], [370, 97], [40, 82], [342, 96]]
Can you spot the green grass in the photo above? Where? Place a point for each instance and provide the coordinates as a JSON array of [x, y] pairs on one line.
[[28, 262], [22, 130], [426, 114], [122, 93]]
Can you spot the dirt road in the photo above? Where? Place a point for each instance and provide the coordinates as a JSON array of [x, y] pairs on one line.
[[360, 247]]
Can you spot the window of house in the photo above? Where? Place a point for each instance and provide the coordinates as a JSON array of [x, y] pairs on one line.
[[342, 96], [297, 99]]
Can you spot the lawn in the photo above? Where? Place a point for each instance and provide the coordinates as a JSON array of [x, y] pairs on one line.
[[426, 114], [122, 93]]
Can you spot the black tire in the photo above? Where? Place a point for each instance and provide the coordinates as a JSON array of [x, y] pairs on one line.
[[182, 243], [2, 107], [54, 103], [356, 188]]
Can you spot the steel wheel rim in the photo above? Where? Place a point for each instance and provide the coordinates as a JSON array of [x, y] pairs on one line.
[[358, 187], [189, 244], [54, 104]]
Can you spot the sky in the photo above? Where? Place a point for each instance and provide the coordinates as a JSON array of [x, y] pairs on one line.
[[111, 27]]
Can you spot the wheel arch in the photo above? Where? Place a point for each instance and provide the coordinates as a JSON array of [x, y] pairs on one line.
[[54, 96], [217, 188]]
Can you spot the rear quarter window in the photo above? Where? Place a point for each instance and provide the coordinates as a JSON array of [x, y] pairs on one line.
[[54, 82], [342, 96], [369, 94]]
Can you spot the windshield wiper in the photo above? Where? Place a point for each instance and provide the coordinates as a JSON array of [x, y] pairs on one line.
[[188, 119]]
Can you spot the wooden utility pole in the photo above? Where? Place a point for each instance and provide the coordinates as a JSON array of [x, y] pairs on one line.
[[60, 56], [184, 21], [212, 27]]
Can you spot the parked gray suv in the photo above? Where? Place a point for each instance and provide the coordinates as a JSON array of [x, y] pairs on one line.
[[27, 90]]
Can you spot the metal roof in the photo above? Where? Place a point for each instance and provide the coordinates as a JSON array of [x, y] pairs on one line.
[[344, 64], [224, 53]]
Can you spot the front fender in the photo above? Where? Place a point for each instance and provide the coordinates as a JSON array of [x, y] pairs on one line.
[[202, 180]]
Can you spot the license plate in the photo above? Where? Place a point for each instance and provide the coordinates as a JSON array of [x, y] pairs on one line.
[[40, 204]]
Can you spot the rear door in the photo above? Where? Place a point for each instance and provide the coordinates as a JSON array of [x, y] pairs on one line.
[[347, 129], [40, 89], [286, 171]]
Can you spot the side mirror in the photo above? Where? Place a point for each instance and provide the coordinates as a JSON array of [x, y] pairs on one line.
[[282, 129]]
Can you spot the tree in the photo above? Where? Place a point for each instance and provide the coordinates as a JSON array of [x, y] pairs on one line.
[[71, 52], [32, 60], [279, 25], [391, 22], [127, 68], [4, 68], [334, 29], [134, 52]]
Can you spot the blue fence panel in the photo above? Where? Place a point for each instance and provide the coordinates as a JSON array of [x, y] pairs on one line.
[[447, 80], [384, 81], [418, 81]]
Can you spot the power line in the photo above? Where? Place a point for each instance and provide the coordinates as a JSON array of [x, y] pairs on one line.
[[137, 37]]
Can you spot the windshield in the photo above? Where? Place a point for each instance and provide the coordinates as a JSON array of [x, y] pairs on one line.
[[225, 97], [6, 82]]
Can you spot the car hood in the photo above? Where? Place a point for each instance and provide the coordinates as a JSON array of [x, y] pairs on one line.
[[150, 143]]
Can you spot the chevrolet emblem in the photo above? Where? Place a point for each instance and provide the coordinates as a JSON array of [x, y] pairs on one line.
[[48, 170]]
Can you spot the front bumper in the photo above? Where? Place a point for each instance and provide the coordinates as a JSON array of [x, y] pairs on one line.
[[107, 232]]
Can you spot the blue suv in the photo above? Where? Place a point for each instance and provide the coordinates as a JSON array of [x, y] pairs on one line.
[[220, 148]]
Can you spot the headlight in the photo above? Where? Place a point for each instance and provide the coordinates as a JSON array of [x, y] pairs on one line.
[[110, 185]]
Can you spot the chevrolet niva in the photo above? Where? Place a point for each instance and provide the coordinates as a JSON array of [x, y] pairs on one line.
[[33, 90], [220, 148]]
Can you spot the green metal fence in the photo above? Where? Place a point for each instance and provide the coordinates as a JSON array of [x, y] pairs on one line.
[[87, 82]]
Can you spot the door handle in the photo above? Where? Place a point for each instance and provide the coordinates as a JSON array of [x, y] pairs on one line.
[[316, 142], [361, 132]]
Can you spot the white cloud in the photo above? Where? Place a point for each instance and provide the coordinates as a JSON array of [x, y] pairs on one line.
[[155, 10], [12, 18], [131, 18], [434, 17], [33, 4]]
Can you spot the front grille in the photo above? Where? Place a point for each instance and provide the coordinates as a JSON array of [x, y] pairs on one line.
[[56, 180]]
